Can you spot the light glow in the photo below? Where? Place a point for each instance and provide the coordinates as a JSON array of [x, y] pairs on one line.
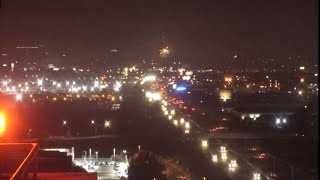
[[2, 125]]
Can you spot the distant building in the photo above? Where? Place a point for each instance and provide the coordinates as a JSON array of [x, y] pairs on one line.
[[26, 161]]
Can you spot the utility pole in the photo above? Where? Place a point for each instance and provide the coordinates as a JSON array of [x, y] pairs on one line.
[[291, 172]]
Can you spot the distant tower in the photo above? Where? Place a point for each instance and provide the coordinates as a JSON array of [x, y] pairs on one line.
[[164, 52]]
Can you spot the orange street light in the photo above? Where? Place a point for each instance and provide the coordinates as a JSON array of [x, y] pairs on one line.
[[2, 125]]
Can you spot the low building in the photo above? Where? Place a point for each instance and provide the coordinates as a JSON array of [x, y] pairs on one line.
[[265, 115]]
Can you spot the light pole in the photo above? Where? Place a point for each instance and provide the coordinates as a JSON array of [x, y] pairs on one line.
[[291, 172], [85, 156], [114, 154], [65, 124], [95, 127]]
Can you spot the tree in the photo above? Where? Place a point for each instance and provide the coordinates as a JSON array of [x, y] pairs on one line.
[[145, 166]]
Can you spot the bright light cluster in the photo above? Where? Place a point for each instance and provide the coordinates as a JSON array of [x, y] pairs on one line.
[[223, 152], [2, 125], [148, 79], [153, 96], [233, 165], [204, 143], [215, 158], [256, 176]]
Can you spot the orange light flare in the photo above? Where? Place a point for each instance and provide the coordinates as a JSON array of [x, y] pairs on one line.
[[2, 124], [9, 126]]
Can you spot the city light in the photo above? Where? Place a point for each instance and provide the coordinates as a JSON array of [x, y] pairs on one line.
[[174, 86], [148, 78], [39, 82], [153, 96], [117, 86], [96, 84], [64, 122], [19, 97], [181, 88], [284, 121], [2, 125], [106, 124], [92, 121], [172, 112], [164, 52], [228, 79]]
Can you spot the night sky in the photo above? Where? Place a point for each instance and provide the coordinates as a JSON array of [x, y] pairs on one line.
[[196, 31]]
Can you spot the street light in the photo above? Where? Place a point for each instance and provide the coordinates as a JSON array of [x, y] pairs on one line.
[[106, 124], [19, 97], [284, 121], [39, 82], [301, 80], [64, 122], [95, 127], [172, 112]]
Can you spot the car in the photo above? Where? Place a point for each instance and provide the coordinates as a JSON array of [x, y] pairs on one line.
[[252, 149], [262, 156], [273, 175]]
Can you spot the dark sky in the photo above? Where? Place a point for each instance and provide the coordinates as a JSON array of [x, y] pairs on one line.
[[197, 31]]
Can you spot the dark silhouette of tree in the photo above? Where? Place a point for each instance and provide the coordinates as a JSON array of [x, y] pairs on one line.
[[145, 166]]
